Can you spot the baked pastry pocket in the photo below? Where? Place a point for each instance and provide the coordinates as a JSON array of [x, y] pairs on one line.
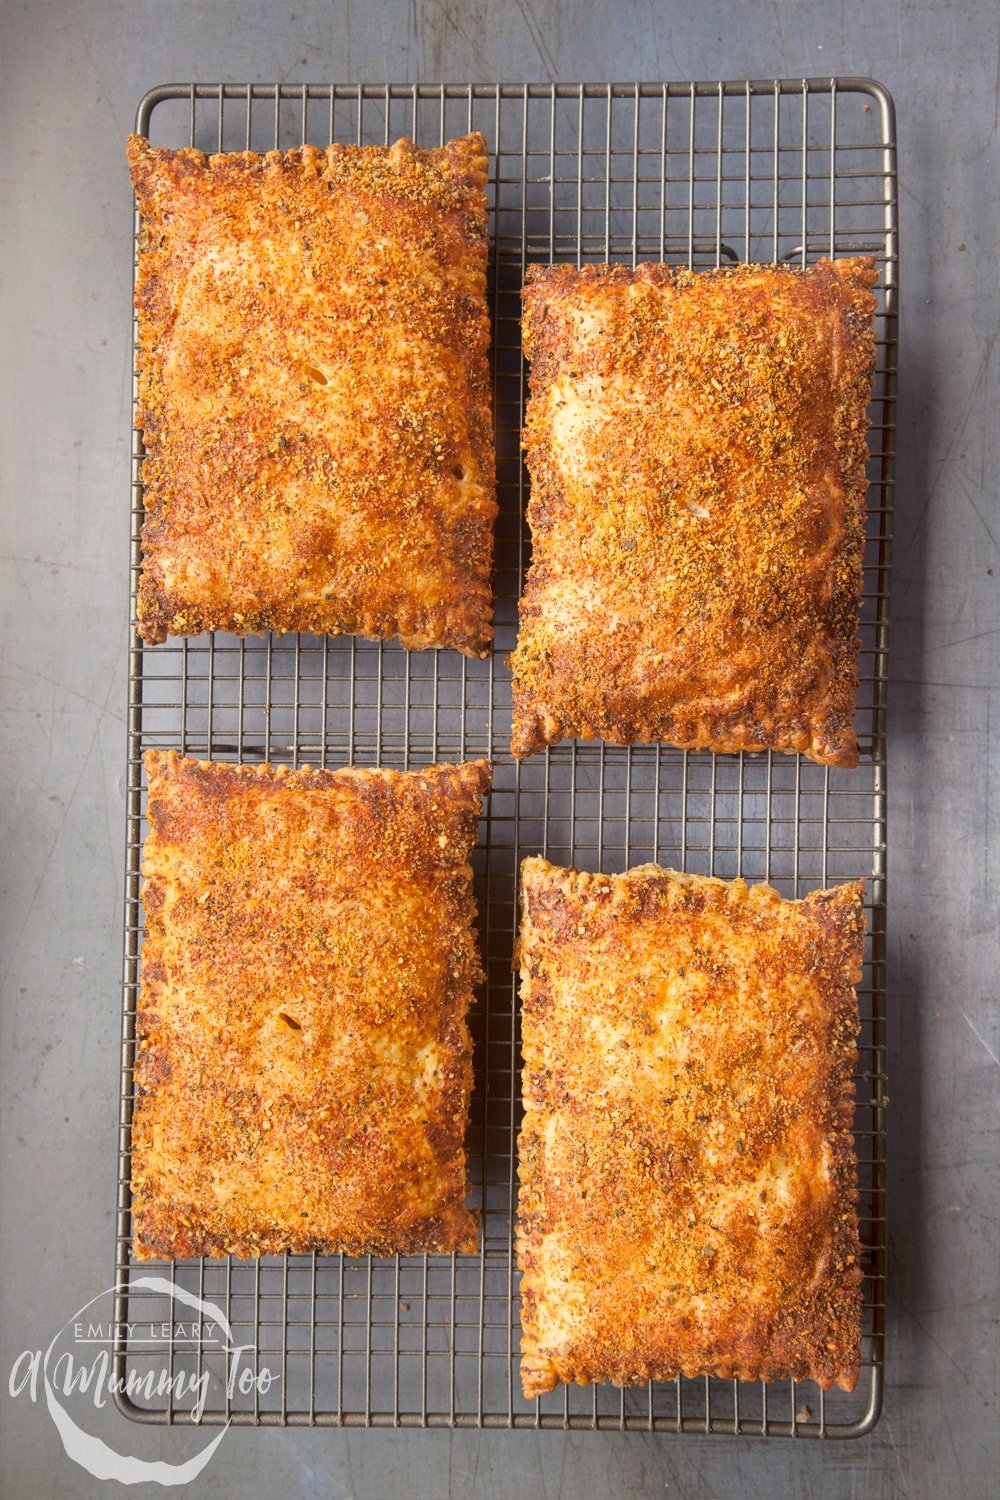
[[303, 1064], [697, 448], [314, 392], [687, 1168]]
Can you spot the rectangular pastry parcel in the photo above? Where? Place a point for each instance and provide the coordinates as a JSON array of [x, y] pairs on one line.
[[697, 448], [303, 1062], [687, 1167], [314, 392]]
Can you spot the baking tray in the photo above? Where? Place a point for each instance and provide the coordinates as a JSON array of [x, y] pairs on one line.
[[696, 174]]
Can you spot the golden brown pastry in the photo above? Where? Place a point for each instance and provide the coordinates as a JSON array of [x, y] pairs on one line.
[[314, 392], [697, 453], [304, 1066], [687, 1168]]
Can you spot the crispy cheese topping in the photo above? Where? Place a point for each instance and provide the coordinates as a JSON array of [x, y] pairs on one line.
[[304, 1064], [697, 449], [314, 392], [687, 1169]]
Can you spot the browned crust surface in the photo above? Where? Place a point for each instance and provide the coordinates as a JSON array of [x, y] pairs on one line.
[[687, 1168], [304, 1064], [697, 449], [314, 392]]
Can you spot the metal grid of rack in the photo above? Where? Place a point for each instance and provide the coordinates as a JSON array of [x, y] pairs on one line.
[[694, 174]]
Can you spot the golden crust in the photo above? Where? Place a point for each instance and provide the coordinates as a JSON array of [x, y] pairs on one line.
[[304, 1064], [687, 1168], [697, 452], [314, 392]]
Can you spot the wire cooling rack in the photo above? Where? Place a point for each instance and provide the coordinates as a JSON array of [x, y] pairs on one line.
[[695, 174]]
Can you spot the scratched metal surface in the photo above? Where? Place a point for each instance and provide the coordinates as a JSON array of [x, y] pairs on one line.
[[72, 72]]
